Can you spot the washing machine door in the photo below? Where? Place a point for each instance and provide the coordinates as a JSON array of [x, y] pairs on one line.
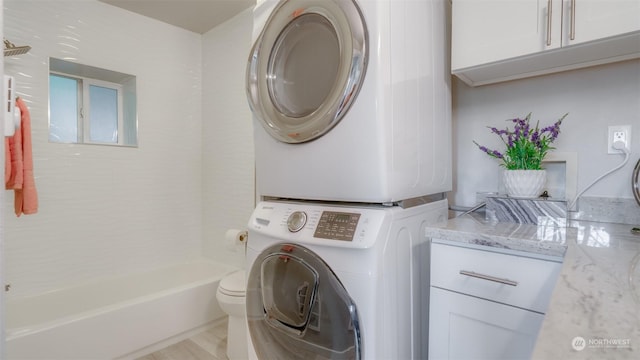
[[306, 67], [298, 309]]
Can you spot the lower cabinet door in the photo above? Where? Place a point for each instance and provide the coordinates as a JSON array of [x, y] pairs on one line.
[[467, 327]]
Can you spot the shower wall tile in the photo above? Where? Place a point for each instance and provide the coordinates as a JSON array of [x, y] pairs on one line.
[[228, 170], [107, 211]]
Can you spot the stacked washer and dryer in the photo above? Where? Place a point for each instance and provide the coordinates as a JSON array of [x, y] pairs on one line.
[[352, 129]]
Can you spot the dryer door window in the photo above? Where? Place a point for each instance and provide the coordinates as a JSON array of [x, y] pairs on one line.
[[298, 309], [306, 67], [303, 66]]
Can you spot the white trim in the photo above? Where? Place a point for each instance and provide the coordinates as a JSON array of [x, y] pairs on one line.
[[570, 159]]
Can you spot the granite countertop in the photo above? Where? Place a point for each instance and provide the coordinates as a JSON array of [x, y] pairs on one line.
[[594, 312], [550, 238]]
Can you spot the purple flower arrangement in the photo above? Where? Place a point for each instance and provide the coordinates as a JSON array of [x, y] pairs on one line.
[[526, 146]]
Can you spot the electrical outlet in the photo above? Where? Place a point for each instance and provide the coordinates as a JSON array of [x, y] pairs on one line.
[[619, 133]]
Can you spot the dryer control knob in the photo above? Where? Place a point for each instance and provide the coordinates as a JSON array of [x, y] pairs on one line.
[[296, 221]]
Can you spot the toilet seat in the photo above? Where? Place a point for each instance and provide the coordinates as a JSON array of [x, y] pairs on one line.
[[234, 284]]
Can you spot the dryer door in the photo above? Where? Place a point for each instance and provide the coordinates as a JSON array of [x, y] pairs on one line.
[[306, 67], [298, 309]]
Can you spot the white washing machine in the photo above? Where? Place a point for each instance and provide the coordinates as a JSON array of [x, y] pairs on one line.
[[351, 99], [329, 281]]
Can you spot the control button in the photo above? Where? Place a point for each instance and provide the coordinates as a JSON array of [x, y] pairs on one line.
[[296, 221]]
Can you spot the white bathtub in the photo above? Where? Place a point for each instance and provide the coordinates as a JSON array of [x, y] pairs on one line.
[[115, 317]]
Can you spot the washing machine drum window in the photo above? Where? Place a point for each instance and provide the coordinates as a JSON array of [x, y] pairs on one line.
[[306, 67], [298, 309]]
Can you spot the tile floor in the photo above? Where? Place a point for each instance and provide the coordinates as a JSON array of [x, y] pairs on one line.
[[208, 345]]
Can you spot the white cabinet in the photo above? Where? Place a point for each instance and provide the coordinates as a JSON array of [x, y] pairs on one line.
[[484, 31], [589, 20], [499, 40], [486, 305], [474, 328]]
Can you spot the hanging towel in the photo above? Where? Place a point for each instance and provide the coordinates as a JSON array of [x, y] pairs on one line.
[[19, 165]]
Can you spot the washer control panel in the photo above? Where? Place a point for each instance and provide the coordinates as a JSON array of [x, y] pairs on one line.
[[337, 225], [318, 223], [296, 221]]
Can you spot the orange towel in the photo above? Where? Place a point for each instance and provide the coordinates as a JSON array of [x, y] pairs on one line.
[[19, 165]]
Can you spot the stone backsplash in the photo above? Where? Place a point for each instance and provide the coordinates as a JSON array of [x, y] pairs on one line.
[[604, 209], [503, 208]]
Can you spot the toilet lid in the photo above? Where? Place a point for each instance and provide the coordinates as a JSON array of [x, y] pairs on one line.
[[234, 284]]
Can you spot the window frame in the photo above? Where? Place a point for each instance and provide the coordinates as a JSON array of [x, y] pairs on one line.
[[86, 130], [84, 107], [86, 76]]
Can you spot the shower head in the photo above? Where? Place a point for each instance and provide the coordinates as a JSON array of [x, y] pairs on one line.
[[12, 50]]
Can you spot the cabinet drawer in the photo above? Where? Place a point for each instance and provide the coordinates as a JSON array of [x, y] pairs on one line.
[[508, 279]]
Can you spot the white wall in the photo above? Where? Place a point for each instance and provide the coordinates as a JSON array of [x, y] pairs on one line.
[[594, 98], [106, 210], [227, 135]]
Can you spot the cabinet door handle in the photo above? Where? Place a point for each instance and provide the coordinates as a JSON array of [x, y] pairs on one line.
[[572, 35], [549, 6], [489, 278]]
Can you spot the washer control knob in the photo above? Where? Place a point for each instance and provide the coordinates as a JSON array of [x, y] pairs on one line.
[[296, 221]]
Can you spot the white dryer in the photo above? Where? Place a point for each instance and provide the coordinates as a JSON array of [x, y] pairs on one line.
[[330, 281], [351, 100]]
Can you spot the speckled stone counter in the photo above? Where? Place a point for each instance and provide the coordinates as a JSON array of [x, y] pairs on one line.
[[548, 238], [594, 312]]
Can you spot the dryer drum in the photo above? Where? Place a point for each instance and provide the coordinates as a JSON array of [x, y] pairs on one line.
[[306, 68], [298, 309]]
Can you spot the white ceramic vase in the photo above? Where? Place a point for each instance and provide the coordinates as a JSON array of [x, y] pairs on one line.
[[524, 183]]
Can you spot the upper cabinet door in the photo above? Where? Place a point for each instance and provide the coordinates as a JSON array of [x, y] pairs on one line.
[[484, 31], [588, 20], [501, 40]]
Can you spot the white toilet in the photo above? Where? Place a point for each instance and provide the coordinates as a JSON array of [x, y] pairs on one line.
[[231, 298]]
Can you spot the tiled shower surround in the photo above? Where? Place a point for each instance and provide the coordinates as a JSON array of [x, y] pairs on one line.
[[106, 211]]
